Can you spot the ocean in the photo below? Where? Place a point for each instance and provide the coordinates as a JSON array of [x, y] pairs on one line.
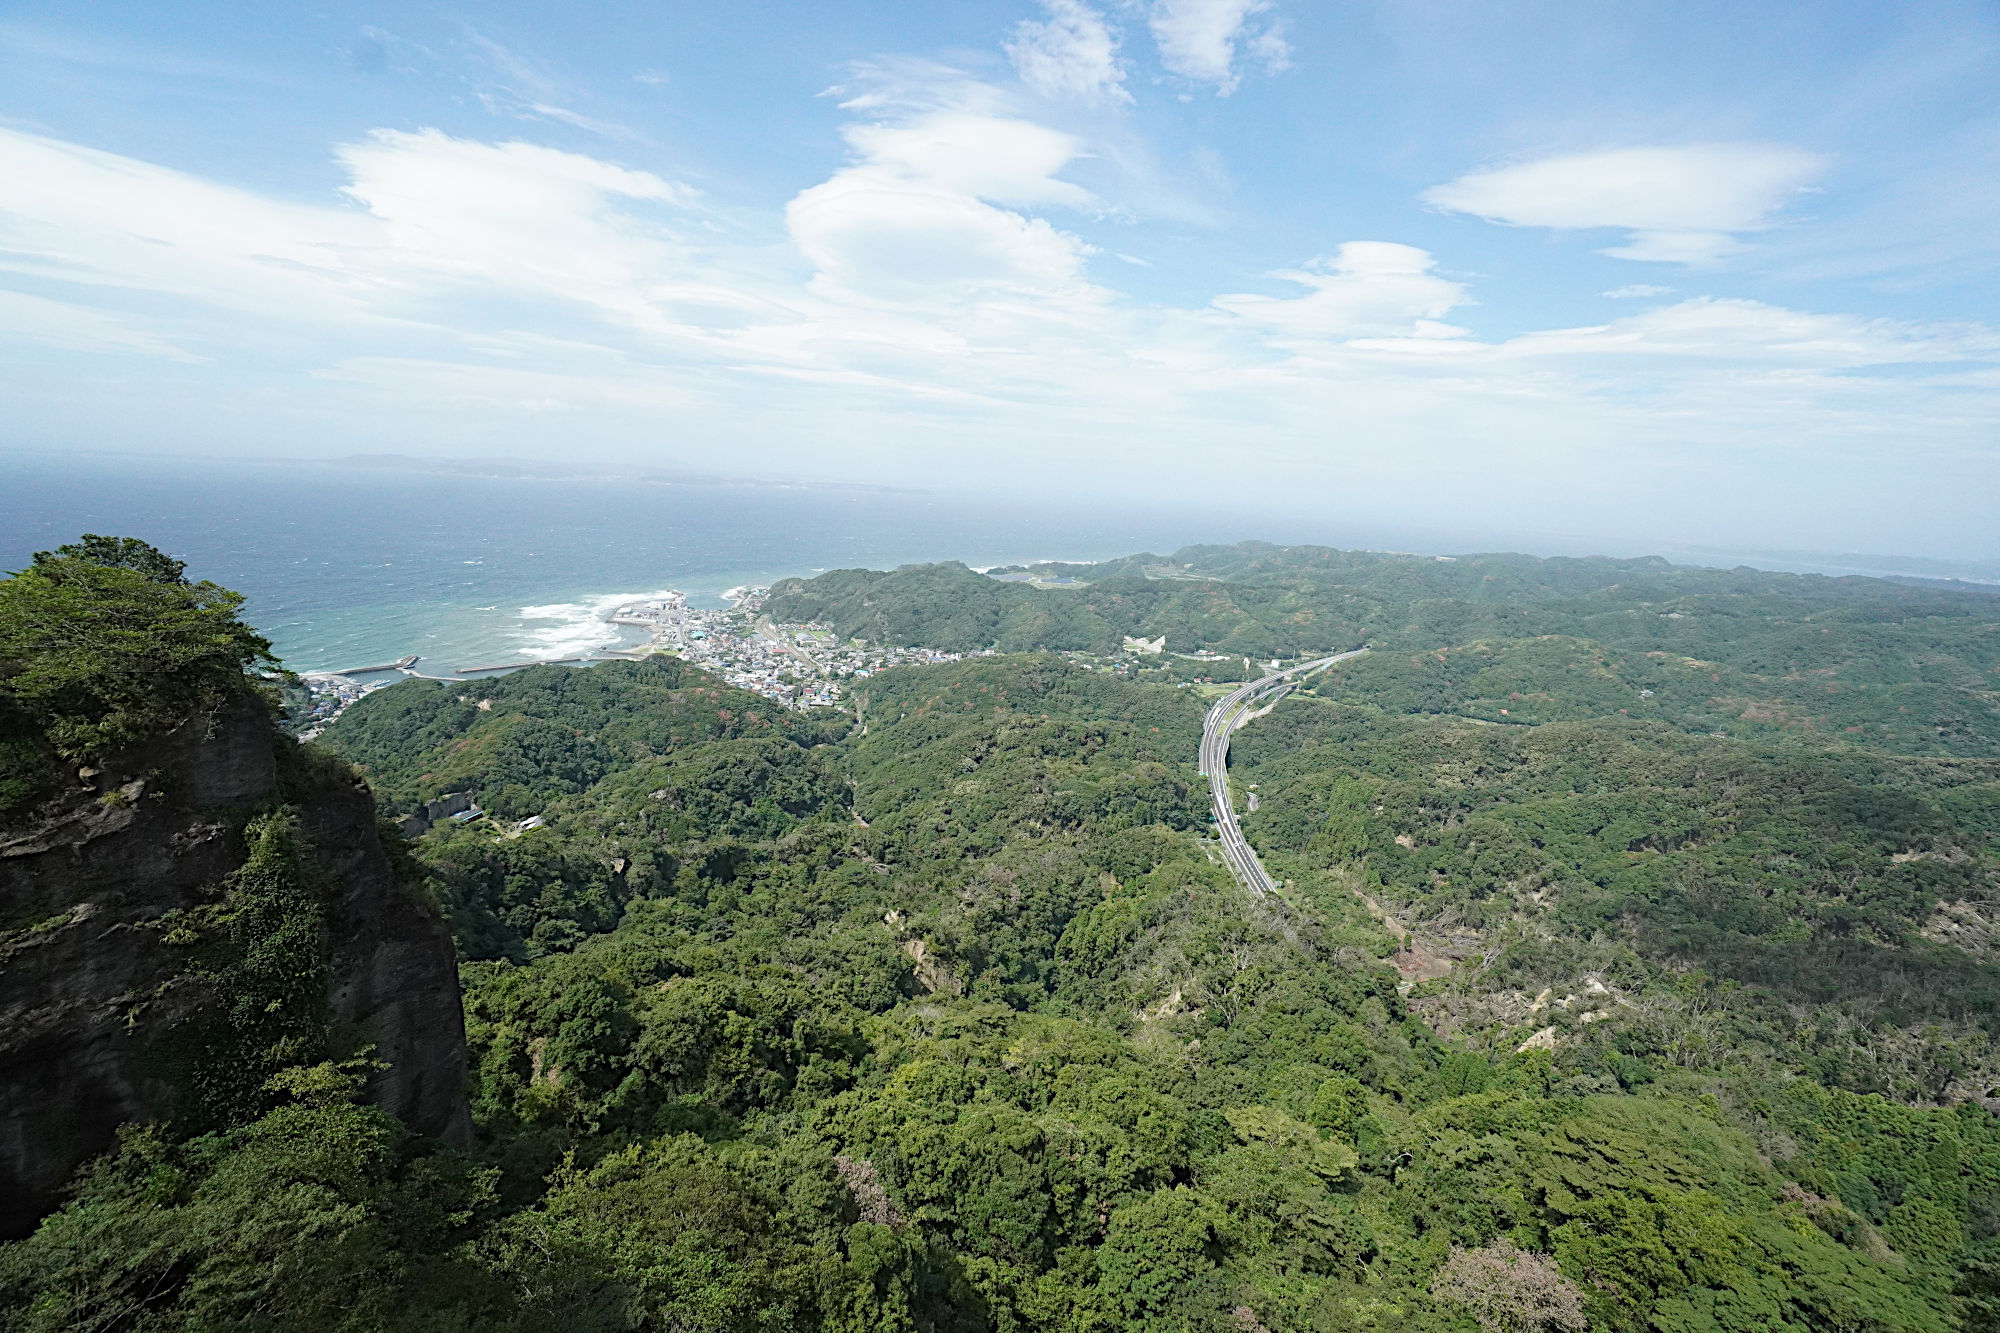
[[347, 566]]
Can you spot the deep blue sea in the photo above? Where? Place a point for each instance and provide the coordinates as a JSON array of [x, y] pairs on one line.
[[349, 566]]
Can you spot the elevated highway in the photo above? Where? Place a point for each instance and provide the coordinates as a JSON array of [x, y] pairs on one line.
[[1228, 713]]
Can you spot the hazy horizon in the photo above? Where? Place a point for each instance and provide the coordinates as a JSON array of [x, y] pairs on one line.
[[61, 495]]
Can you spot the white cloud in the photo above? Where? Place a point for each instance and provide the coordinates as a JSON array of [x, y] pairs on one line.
[[928, 210], [78, 215], [519, 72], [870, 233], [512, 213], [903, 86], [1736, 333], [525, 93], [79, 328], [1370, 289], [999, 158], [1199, 39], [544, 111], [1634, 290], [1073, 53], [1685, 204], [440, 219], [924, 320]]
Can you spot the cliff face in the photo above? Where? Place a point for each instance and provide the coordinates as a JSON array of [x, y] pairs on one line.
[[90, 981]]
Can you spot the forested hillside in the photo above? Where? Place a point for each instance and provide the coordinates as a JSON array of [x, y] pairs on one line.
[[943, 1015], [1911, 669], [524, 739]]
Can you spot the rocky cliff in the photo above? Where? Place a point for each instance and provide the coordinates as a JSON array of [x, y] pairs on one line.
[[97, 989]]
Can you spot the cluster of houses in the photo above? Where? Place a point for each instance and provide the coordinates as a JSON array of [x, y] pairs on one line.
[[800, 666]]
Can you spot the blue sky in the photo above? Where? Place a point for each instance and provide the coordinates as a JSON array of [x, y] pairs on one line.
[[1686, 271]]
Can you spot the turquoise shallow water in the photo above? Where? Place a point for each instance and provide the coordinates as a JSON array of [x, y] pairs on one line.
[[346, 566]]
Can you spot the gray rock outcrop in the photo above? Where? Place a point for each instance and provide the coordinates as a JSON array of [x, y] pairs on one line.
[[87, 977]]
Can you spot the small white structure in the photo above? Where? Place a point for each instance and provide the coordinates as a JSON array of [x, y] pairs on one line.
[[1151, 647]]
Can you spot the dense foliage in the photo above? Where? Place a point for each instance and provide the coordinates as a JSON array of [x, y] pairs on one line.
[[104, 644], [943, 1015], [1505, 637], [258, 948], [523, 740]]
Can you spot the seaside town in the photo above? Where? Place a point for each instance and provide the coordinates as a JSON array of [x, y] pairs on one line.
[[800, 666]]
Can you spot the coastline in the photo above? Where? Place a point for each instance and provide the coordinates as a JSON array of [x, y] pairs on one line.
[[799, 666], [487, 626], [581, 633]]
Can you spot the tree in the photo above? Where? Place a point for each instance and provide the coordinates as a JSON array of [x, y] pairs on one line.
[[305, 1219], [116, 553], [1157, 1251], [1509, 1290], [103, 645]]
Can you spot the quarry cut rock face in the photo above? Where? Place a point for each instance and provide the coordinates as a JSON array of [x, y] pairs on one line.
[[88, 980]]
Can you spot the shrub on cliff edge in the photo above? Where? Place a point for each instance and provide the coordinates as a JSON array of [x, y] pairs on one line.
[[103, 643]]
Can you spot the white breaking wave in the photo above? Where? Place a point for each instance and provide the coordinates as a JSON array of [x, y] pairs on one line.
[[572, 629]]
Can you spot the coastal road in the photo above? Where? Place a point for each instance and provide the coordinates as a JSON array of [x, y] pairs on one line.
[[1229, 712]]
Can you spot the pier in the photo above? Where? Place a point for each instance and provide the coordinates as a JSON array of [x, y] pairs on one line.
[[516, 666], [404, 665]]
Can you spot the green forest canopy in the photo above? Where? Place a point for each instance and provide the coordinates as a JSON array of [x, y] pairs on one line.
[[1913, 669], [104, 644], [942, 1015]]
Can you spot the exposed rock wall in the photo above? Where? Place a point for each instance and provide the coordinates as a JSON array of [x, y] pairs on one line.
[[86, 976]]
